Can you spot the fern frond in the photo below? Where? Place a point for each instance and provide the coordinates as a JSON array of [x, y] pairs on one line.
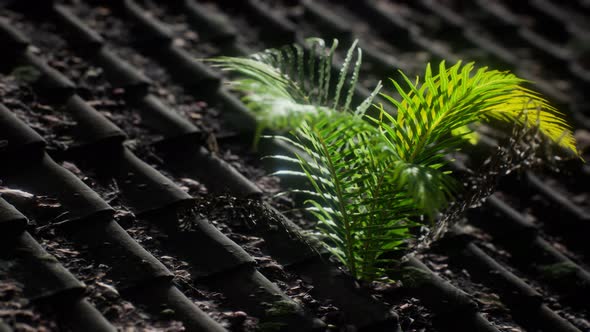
[[281, 91], [432, 118], [455, 97], [360, 216]]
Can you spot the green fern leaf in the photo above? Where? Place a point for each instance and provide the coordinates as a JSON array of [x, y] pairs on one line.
[[281, 91], [454, 98], [432, 118], [360, 219]]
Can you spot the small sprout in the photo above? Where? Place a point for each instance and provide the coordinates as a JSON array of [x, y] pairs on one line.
[[167, 312], [26, 74], [48, 258], [558, 271], [282, 308], [415, 278]]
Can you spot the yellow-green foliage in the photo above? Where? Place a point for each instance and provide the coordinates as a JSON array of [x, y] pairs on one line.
[[456, 97]]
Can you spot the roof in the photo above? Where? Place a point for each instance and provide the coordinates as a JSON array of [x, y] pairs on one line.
[[129, 198]]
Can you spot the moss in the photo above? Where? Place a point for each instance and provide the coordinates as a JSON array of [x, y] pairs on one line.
[[277, 313], [26, 74], [414, 278], [281, 308], [48, 258], [558, 270], [270, 326], [167, 312]]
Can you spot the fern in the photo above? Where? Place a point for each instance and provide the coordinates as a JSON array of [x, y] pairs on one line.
[[373, 178]]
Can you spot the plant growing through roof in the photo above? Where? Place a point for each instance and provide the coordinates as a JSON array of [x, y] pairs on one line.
[[372, 178]]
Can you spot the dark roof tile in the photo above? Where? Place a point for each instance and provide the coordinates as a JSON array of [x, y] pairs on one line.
[[15, 41], [211, 26], [120, 73], [51, 82], [41, 274], [81, 315], [46, 178], [142, 187], [16, 138], [92, 128], [153, 31], [130, 264], [213, 258], [208, 250], [167, 121], [79, 33], [183, 309], [12, 222]]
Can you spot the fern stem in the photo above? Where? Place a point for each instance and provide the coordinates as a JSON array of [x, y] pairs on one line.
[[341, 206], [420, 144], [367, 250]]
